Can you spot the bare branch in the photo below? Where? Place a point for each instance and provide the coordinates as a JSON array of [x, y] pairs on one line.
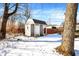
[[11, 7], [16, 7]]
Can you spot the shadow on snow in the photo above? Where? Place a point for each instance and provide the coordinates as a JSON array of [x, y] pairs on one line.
[[77, 52], [33, 41]]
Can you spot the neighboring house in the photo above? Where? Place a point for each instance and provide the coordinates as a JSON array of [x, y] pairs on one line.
[[77, 26], [50, 30], [61, 28], [34, 27]]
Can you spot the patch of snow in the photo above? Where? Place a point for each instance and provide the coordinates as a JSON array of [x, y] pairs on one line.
[[51, 37], [76, 46], [28, 46], [28, 49], [33, 46]]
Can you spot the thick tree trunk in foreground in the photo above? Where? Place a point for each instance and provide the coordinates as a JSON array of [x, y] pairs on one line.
[[5, 19], [67, 46]]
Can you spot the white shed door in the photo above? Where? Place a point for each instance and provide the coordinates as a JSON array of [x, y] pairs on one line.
[[37, 30]]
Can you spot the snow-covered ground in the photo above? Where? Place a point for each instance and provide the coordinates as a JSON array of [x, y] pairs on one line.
[[33, 46]]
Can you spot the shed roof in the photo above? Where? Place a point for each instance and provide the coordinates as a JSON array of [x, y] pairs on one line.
[[39, 21]]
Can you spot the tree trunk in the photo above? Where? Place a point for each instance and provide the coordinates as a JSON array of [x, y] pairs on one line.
[[4, 21], [67, 46], [5, 18]]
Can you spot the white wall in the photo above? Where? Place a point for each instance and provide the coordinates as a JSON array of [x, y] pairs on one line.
[[77, 27], [37, 29], [28, 30], [29, 21], [28, 27]]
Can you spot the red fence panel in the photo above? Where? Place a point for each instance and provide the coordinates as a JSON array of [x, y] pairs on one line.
[[50, 31]]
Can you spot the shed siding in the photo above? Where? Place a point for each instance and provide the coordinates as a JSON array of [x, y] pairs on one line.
[[28, 30], [37, 30], [28, 27], [34, 29], [77, 27], [30, 21]]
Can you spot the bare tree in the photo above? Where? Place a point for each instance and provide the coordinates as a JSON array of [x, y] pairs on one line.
[[67, 46], [6, 15], [27, 12]]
